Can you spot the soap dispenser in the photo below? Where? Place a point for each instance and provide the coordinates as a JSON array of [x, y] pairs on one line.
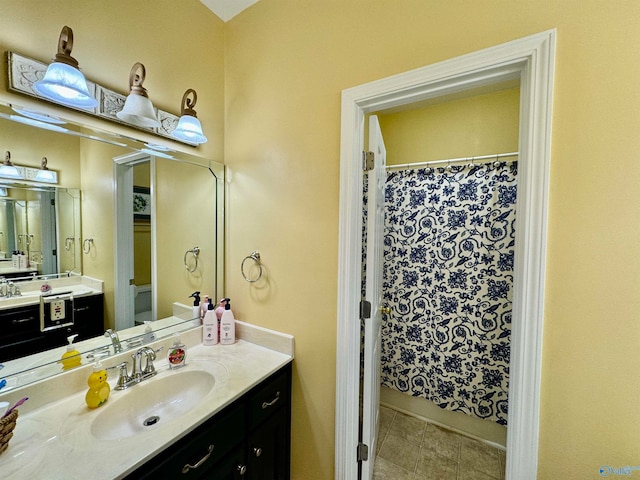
[[177, 355], [71, 358], [227, 325], [196, 304], [99, 388], [148, 336], [210, 327]]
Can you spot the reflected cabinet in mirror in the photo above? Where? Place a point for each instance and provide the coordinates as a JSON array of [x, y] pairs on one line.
[[124, 219]]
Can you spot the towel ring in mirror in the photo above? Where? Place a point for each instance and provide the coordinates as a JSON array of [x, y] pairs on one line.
[[195, 251]]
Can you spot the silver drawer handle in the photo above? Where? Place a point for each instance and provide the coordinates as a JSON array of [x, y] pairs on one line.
[[268, 404], [188, 467], [22, 320], [257, 451], [242, 469]]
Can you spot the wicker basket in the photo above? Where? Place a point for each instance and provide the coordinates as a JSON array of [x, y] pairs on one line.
[[7, 424]]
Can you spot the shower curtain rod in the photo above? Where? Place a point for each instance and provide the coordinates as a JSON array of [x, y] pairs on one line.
[[454, 160]]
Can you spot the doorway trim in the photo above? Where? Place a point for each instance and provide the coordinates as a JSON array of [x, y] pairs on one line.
[[531, 59], [124, 290]]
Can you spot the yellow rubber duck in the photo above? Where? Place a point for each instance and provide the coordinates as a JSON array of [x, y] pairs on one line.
[[99, 389]]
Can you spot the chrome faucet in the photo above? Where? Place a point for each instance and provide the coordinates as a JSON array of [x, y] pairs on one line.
[[113, 335], [138, 374]]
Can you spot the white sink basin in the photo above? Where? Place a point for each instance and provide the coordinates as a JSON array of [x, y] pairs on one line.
[[153, 402]]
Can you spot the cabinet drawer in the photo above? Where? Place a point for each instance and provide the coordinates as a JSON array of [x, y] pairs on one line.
[[268, 398], [17, 321], [204, 447]]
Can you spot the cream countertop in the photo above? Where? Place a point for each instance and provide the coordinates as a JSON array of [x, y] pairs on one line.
[[30, 290], [52, 439]]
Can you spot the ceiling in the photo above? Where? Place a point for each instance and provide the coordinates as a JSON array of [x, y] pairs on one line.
[[227, 9]]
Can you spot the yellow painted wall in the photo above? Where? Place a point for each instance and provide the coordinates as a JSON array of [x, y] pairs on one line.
[[286, 64], [142, 231], [479, 125], [185, 219]]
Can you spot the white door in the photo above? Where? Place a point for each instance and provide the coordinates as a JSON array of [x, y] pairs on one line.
[[124, 287], [373, 293]]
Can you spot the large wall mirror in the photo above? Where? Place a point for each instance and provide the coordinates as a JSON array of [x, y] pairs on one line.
[[86, 224]]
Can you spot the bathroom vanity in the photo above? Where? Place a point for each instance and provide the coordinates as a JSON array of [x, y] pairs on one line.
[[225, 415], [248, 439]]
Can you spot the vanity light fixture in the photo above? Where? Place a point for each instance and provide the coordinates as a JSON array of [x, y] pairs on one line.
[[8, 169], [189, 128], [63, 82], [138, 109], [44, 174]]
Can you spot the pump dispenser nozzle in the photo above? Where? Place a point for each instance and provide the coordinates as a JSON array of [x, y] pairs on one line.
[[196, 298]]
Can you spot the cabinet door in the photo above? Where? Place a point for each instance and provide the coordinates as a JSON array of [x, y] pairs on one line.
[[269, 449], [232, 467], [203, 449], [88, 316]]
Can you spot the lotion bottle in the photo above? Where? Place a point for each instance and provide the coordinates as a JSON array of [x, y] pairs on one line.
[[210, 327], [227, 325]]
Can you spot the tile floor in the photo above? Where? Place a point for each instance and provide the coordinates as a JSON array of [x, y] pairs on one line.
[[412, 449]]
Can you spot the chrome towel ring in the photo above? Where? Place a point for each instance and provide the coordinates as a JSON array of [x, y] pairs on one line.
[[195, 251], [255, 256], [86, 245]]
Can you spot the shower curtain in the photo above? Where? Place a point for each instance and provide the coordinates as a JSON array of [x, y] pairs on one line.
[[448, 277]]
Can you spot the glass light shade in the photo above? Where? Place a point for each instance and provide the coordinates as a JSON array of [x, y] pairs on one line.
[[65, 85], [9, 171], [41, 117], [138, 110], [46, 176], [189, 130], [38, 123]]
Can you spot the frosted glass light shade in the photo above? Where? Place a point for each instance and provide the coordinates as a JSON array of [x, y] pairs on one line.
[[9, 171], [138, 110], [46, 176], [65, 85], [189, 130]]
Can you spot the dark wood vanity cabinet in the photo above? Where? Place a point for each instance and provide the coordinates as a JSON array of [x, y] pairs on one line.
[[248, 440], [20, 332]]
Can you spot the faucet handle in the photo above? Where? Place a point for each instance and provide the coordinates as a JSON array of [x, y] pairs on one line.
[[150, 353], [123, 376]]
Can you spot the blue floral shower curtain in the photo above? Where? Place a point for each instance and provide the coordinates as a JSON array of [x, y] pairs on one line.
[[448, 277]]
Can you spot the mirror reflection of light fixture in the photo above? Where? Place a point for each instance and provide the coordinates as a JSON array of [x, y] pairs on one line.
[[44, 174], [189, 129], [63, 82], [41, 117], [138, 109], [8, 169]]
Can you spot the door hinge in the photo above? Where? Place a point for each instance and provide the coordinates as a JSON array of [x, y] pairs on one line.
[[363, 452], [365, 309], [368, 159]]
